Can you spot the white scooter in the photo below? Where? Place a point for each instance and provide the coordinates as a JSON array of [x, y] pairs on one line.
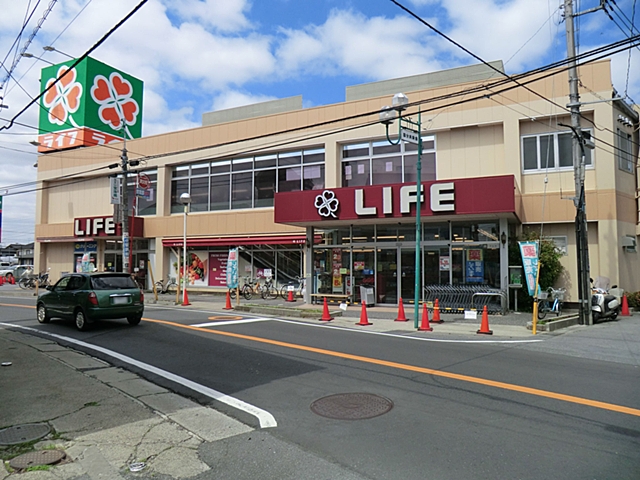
[[603, 304]]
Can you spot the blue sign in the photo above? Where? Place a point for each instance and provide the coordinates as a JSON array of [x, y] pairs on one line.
[[82, 247], [529, 252], [475, 271]]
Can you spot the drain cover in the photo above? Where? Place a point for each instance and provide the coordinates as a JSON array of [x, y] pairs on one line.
[[23, 433], [32, 459], [351, 406]]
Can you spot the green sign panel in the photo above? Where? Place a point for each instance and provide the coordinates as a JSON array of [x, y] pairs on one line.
[[91, 104]]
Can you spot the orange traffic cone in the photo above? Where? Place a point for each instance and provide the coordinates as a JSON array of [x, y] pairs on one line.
[[290, 296], [484, 326], [1, 280], [436, 313], [424, 326], [325, 312], [364, 320], [228, 304], [625, 307], [185, 299], [401, 316], [12, 281]]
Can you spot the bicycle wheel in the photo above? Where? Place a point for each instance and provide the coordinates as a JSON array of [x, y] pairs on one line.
[[543, 308], [24, 283], [159, 287], [247, 292], [269, 293], [558, 309], [284, 292]]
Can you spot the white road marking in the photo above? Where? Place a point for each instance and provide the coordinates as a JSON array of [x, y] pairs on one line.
[[230, 322], [265, 418]]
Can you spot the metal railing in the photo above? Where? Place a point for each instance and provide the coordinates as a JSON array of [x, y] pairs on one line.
[[457, 298]]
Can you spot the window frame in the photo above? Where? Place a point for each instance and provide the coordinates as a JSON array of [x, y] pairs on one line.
[[555, 160]]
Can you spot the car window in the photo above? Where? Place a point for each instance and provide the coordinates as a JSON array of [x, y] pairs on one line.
[[62, 284], [75, 283], [112, 282]]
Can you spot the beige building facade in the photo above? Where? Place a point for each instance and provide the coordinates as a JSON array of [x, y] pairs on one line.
[[496, 158]]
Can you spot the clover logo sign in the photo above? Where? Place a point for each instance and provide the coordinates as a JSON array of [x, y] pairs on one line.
[[327, 204]]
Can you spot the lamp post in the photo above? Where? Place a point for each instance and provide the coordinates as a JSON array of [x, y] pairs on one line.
[[409, 131], [185, 199], [49, 48]]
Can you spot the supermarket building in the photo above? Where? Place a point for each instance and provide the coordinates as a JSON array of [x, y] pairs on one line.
[[321, 193]]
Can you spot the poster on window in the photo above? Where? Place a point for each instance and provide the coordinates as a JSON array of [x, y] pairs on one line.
[[475, 266], [197, 270], [445, 264], [218, 269]]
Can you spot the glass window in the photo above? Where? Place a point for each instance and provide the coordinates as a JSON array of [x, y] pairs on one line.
[[241, 190], [199, 194], [289, 158], [265, 187], [265, 161], [427, 170], [289, 179], [201, 169], [313, 156], [178, 187], [241, 164], [624, 151], [313, 177], [530, 153], [565, 150], [436, 232], [362, 234], [220, 167], [539, 152], [381, 148], [547, 151], [359, 150], [386, 233], [220, 192], [355, 173], [386, 170], [147, 205], [181, 172]]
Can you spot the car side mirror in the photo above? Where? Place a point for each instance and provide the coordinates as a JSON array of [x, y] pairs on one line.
[[49, 287]]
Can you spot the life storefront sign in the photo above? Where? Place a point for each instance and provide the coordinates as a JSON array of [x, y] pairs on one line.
[[104, 227], [467, 196]]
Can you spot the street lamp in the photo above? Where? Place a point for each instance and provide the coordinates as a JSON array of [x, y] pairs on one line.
[[185, 199], [49, 48], [409, 131], [31, 55]]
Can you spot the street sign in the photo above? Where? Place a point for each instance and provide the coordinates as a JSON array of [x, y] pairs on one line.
[[143, 181], [409, 136]]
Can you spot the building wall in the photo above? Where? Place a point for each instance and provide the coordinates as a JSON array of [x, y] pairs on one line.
[[478, 138]]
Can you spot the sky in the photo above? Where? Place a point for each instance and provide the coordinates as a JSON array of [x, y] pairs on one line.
[[197, 56]]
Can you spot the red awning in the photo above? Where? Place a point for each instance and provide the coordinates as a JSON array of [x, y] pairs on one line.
[[235, 241]]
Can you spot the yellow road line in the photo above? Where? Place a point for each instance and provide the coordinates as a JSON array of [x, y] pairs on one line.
[[16, 305], [412, 368]]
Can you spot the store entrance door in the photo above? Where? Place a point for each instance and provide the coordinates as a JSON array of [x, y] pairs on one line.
[[387, 277], [408, 275]]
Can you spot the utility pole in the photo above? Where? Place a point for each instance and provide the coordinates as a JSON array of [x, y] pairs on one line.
[[126, 267], [582, 239]]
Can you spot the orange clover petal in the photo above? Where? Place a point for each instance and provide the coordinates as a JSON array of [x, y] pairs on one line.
[[73, 97], [130, 110], [51, 95], [100, 90], [67, 79], [110, 115], [58, 114], [122, 87]]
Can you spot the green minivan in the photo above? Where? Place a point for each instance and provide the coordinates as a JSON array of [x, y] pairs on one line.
[[86, 297]]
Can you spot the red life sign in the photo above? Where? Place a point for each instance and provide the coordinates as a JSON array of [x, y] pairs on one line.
[[143, 181]]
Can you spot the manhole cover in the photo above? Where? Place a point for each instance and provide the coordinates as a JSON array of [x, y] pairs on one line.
[[23, 433], [351, 406], [32, 459]]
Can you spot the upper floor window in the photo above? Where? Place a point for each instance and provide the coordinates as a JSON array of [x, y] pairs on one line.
[[247, 182], [550, 151], [142, 202], [624, 151], [378, 163]]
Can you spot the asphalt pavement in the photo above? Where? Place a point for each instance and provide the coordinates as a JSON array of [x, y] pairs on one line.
[[106, 422]]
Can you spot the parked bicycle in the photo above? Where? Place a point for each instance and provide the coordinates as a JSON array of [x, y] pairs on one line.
[[298, 286], [267, 290], [164, 287], [247, 289], [550, 301], [29, 281]]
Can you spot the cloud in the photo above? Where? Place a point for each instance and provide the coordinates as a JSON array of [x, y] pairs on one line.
[[234, 98], [222, 15], [350, 43]]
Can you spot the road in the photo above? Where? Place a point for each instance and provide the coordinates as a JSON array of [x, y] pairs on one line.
[[459, 410]]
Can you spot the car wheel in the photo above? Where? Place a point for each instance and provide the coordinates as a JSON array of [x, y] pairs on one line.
[[43, 317], [81, 320], [134, 319]]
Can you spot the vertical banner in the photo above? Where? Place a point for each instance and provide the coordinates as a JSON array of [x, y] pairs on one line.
[[529, 252], [475, 266], [232, 268]]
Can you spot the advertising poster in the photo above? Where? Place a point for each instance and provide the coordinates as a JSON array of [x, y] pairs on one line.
[[218, 269], [529, 252], [232, 268], [445, 264], [475, 266], [197, 270]]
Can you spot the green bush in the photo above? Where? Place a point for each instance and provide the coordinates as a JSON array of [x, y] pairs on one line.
[[633, 299]]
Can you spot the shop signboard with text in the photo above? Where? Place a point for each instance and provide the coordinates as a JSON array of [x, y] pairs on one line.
[[105, 227], [467, 196], [90, 103]]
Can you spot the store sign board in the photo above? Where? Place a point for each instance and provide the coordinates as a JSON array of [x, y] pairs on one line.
[[104, 227], [486, 195], [90, 104]]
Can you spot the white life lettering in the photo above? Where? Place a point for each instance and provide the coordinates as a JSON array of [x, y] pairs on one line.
[[98, 223], [408, 196], [442, 202], [360, 208], [109, 226], [76, 228], [387, 200]]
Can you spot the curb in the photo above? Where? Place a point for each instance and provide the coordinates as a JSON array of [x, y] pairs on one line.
[[566, 322]]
